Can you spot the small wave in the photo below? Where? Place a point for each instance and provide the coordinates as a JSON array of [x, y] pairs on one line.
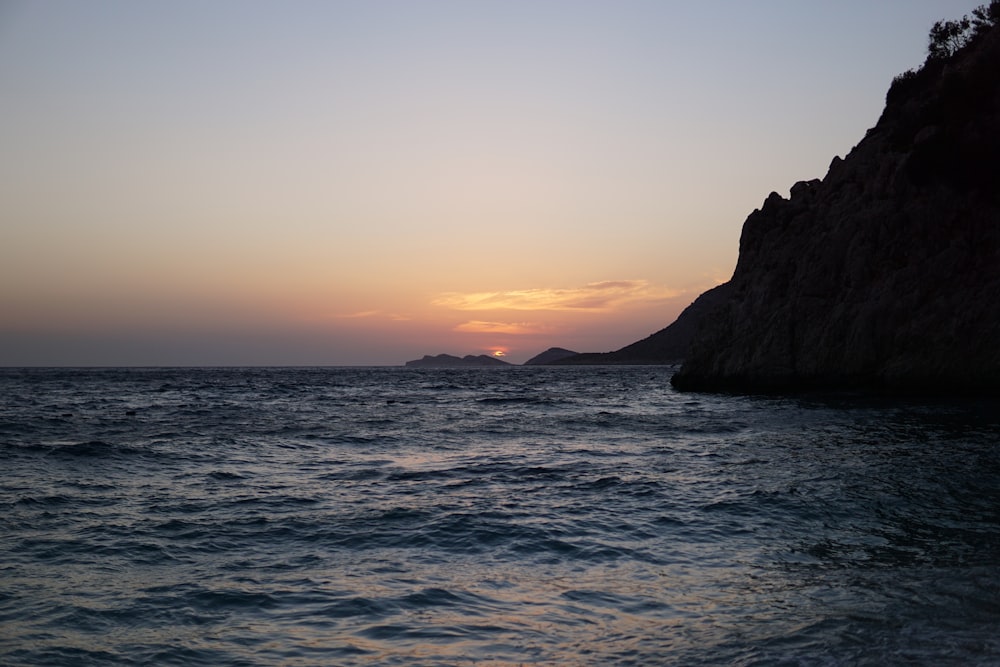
[[231, 599], [605, 483], [520, 400], [223, 475], [93, 449], [356, 606], [419, 475], [397, 514], [46, 501], [353, 475], [352, 439], [598, 598], [433, 597]]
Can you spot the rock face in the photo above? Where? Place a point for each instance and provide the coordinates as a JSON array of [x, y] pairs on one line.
[[666, 346], [450, 361], [549, 356], [885, 274]]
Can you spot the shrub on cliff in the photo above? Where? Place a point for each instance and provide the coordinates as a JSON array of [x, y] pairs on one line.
[[901, 86], [985, 16], [947, 37]]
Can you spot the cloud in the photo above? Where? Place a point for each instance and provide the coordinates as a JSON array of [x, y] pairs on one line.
[[602, 296], [359, 315], [364, 314], [516, 328]]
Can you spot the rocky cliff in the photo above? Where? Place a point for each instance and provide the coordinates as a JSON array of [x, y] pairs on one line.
[[885, 274]]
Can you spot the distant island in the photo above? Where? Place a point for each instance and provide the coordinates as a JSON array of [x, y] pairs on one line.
[[450, 361]]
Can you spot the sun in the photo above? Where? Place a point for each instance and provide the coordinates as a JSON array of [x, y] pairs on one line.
[[499, 353]]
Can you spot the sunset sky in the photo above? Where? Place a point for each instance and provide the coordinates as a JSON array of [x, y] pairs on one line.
[[368, 181]]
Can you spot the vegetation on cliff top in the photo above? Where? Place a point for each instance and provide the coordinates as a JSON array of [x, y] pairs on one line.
[[945, 39]]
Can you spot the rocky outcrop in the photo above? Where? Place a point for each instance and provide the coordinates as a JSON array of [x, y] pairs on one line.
[[666, 346], [549, 356], [450, 361], [885, 274]]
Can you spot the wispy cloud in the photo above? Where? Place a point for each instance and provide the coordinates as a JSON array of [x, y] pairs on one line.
[[515, 328], [364, 314], [602, 296], [359, 315]]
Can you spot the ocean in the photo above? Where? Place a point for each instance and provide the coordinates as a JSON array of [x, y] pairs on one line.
[[501, 516]]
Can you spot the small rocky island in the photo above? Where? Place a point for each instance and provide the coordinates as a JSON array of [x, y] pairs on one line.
[[450, 361], [885, 274]]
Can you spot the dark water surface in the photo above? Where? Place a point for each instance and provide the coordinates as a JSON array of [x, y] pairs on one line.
[[539, 516]]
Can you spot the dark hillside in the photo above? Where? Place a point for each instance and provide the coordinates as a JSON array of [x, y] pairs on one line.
[[885, 274]]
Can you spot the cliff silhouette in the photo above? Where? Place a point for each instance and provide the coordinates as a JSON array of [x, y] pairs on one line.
[[885, 274]]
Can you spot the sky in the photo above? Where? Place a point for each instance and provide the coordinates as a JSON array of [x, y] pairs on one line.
[[362, 182]]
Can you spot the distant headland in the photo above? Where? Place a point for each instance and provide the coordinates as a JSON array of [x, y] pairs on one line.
[[553, 355]]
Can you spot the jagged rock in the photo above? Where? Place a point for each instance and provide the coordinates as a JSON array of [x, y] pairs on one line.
[[549, 356], [886, 274], [451, 361]]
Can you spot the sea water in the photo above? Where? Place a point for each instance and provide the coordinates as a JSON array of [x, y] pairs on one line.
[[502, 516]]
